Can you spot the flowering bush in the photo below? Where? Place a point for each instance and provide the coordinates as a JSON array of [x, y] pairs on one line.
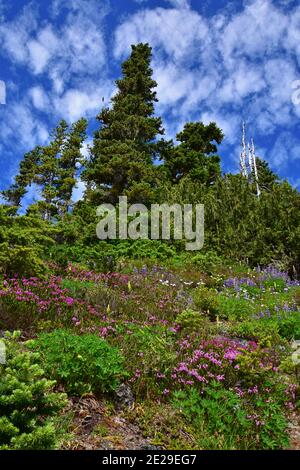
[[27, 301], [222, 419]]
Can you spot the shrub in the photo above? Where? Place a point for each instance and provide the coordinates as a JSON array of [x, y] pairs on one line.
[[234, 308], [23, 260], [27, 401], [190, 320], [82, 364], [206, 300], [207, 262], [275, 284], [256, 330], [22, 242], [151, 357], [223, 420], [289, 325], [217, 417], [195, 324], [99, 257]]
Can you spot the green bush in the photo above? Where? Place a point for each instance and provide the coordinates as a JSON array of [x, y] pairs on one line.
[[82, 364], [194, 323], [276, 284], [27, 401], [189, 320], [99, 257], [206, 300], [104, 256], [289, 325], [22, 243], [222, 420], [208, 261], [234, 308], [21, 260], [140, 249], [149, 350], [285, 325], [256, 330], [218, 419]]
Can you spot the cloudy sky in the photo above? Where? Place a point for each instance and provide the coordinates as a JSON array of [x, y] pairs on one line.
[[222, 61]]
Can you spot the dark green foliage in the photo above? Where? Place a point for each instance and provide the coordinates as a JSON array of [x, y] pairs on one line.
[[22, 242], [123, 150], [218, 416], [103, 256], [267, 178], [207, 301], [193, 156], [27, 401], [53, 169], [82, 364]]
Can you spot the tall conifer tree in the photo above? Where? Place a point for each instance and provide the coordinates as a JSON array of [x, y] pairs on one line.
[[124, 147], [53, 169]]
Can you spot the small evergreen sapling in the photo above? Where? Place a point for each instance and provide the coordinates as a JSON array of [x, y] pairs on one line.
[[27, 401]]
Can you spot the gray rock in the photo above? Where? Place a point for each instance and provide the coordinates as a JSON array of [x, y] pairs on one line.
[[124, 395]]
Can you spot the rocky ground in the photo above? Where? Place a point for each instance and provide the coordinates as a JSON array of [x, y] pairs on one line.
[[97, 426]]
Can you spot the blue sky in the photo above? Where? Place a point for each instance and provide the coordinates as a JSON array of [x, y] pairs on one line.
[[222, 61]]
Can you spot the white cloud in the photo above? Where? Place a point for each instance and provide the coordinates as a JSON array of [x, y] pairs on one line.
[[42, 49], [166, 30], [283, 155], [21, 128], [84, 101], [64, 61], [39, 98], [39, 56], [14, 35], [75, 47]]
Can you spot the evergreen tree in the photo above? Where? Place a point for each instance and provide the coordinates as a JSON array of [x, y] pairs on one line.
[[53, 169], [195, 155], [18, 189], [23, 242], [123, 150], [46, 171], [69, 160], [266, 177]]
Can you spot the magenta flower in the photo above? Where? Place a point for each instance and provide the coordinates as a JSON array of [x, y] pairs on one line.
[[69, 300]]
